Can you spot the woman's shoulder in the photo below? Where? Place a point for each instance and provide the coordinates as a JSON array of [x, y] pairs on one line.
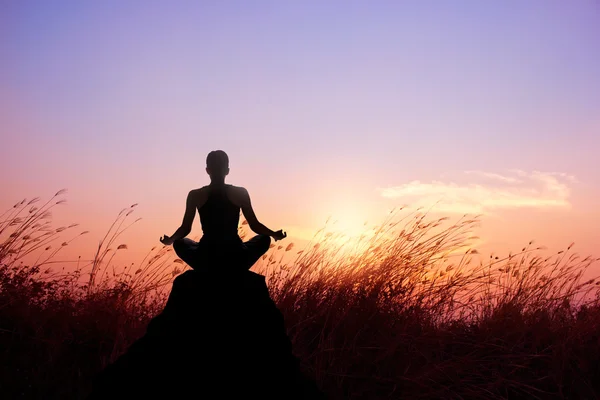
[[199, 190], [237, 194], [199, 195], [235, 188]]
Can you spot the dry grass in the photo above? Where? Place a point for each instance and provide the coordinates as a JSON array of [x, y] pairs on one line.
[[408, 311]]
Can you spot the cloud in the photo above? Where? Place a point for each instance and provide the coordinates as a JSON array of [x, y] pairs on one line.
[[490, 192], [493, 176]]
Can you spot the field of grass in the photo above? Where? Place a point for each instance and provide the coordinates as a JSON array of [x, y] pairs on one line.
[[408, 312]]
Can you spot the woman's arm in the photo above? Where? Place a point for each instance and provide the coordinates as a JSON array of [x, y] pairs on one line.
[[188, 218], [255, 225]]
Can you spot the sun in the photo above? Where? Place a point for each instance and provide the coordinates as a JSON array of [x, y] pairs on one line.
[[348, 223]]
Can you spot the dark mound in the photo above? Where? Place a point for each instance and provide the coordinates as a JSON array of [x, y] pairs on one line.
[[218, 337]]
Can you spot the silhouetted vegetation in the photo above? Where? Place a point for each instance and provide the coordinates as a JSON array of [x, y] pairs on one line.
[[407, 311]]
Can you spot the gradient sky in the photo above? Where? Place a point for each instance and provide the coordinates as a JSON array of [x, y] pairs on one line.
[[340, 108]]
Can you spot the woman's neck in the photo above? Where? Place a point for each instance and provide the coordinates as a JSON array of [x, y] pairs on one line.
[[217, 182]]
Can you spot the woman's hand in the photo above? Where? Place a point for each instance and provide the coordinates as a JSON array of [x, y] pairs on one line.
[[280, 234], [166, 240]]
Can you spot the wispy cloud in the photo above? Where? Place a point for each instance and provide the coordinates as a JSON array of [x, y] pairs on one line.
[[493, 176], [488, 192]]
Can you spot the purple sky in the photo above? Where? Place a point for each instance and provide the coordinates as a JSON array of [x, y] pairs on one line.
[[320, 105]]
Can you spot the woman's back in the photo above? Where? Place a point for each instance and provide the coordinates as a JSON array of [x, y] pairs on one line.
[[219, 216]]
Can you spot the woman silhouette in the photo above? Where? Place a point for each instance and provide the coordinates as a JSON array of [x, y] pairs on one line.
[[219, 207]]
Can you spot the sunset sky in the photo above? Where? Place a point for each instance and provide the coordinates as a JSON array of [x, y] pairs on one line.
[[340, 108]]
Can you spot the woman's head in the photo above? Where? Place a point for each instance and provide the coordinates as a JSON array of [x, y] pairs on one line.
[[217, 164]]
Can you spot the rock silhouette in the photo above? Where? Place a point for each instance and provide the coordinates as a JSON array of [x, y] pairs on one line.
[[218, 337]]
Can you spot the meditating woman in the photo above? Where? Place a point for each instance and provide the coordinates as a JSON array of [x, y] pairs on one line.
[[219, 206]]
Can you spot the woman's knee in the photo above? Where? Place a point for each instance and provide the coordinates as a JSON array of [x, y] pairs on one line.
[[265, 242], [179, 247]]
